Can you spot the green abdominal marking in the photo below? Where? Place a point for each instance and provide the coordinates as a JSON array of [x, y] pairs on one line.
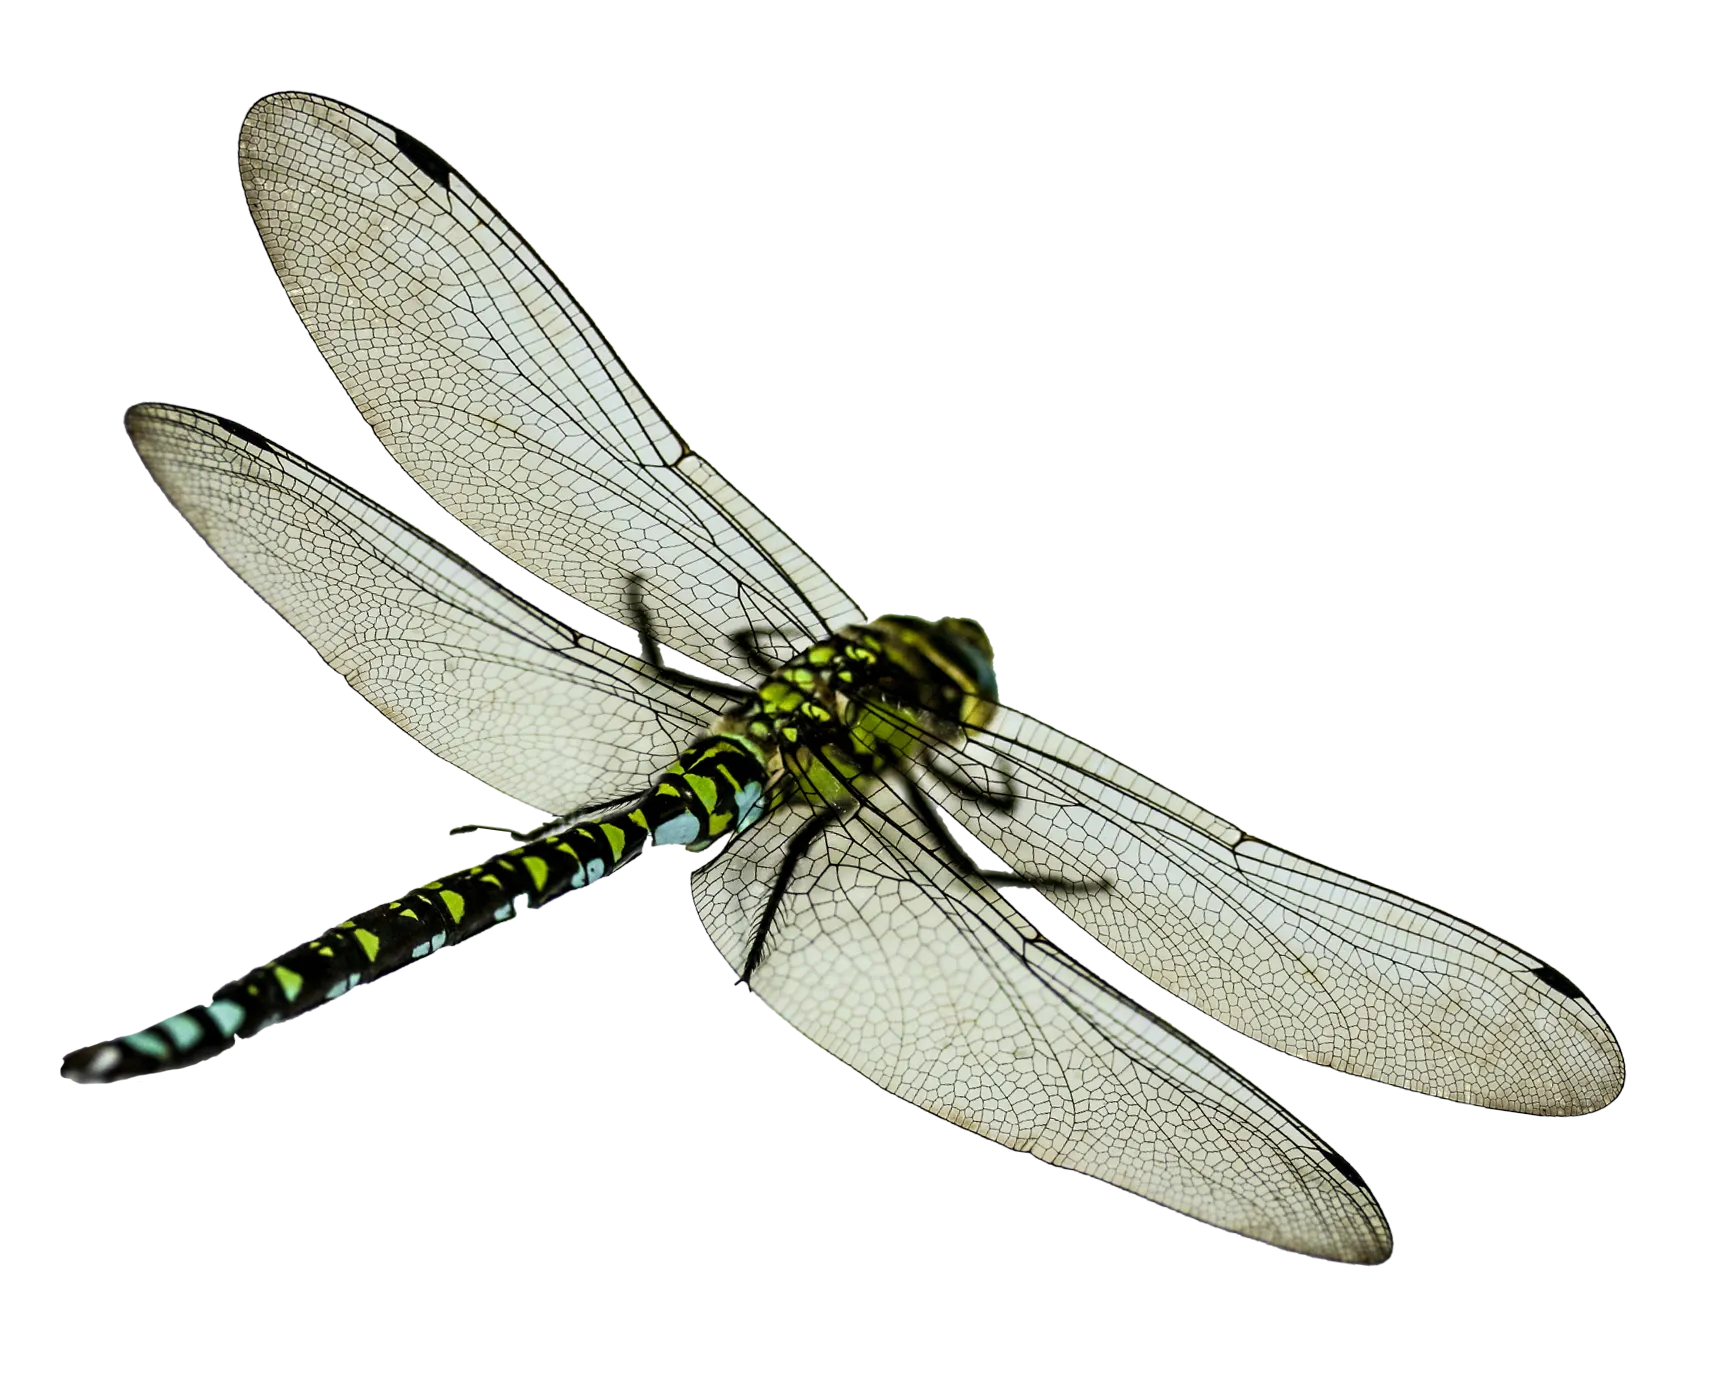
[[716, 786]]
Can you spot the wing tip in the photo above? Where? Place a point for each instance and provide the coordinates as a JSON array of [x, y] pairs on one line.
[[173, 411], [268, 110], [285, 94], [141, 418]]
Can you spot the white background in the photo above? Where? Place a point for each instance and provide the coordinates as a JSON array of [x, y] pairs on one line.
[[1318, 404]]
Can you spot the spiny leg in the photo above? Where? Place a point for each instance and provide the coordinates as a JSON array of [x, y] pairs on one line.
[[950, 847], [748, 643], [539, 832], [643, 622], [801, 840], [519, 836], [934, 747], [1002, 801]]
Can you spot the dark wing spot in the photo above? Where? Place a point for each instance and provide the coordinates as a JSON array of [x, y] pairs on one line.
[[1344, 1167], [424, 158], [1558, 981], [250, 436]]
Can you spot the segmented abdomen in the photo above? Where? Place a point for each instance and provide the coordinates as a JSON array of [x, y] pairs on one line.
[[716, 786]]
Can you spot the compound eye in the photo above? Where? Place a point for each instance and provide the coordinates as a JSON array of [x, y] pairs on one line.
[[973, 648], [966, 631]]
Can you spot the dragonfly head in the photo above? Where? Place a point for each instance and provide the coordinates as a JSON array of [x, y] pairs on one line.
[[952, 655], [960, 648]]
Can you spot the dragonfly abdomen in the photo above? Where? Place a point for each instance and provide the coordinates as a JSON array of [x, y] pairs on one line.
[[715, 787]]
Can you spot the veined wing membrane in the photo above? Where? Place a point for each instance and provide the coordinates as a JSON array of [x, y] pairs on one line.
[[488, 383], [469, 669], [928, 983], [1302, 957]]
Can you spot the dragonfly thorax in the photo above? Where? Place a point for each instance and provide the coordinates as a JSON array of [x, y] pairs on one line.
[[864, 701]]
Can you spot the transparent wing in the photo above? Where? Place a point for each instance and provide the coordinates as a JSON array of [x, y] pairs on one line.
[[488, 383], [1304, 958], [929, 984], [469, 669]]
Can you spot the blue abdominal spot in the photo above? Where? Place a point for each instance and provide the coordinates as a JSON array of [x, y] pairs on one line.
[[183, 1031], [681, 829], [750, 805], [147, 1042]]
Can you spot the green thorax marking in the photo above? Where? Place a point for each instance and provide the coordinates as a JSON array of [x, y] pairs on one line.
[[866, 700]]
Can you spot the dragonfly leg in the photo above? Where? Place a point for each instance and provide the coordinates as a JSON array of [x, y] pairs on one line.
[[643, 622], [748, 643], [1043, 882], [1002, 801], [520, 836], [569, 818], [801, 841]]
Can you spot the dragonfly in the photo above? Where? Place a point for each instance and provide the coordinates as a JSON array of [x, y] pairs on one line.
[[831, 756]]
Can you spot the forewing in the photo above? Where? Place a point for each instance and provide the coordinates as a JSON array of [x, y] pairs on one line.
[[928, 983], [498, 394], [1304, 958], [469, 669]]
